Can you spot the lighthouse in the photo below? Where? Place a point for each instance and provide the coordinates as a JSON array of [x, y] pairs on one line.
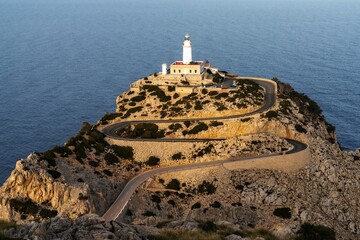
[[187, 53]]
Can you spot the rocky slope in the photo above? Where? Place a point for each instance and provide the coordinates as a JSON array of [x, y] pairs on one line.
[[51, 194]]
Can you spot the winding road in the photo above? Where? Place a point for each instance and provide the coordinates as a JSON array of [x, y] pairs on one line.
[[110, 131]]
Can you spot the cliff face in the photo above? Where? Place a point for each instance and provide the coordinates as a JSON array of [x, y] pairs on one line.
[[88, 173], [31, 185]]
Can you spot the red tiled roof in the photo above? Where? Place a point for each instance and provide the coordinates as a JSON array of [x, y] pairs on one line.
[[192, 63]]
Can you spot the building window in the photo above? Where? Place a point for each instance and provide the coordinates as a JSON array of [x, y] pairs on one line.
[[174, 71], [179, 71], [190, 70], [195, 71]]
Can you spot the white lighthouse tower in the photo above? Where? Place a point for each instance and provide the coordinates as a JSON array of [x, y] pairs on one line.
[[187, 53]]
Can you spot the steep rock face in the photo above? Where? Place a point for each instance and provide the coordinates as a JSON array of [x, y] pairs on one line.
[[28, 181]]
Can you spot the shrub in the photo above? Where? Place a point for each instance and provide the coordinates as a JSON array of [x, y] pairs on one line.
[[125, 152], [55, 174], [198, 128], [171, 88], [138, 98], [149, 214], [175, 126], [300, 129], [46, 213], [49, 156], [204, 91], [107, 172], [177, 156], [111, 159], [284, 213], [318, 232], [63, 151], [213, 93], [172, 202], [208, 226], [184, 82], [206, 187], [94, 163], [155, 198], [204, 151], [216, 123], [187, 123], [222, 95], [132, 110], [271, 115], [173, 184], [109, 116], [26, 207], [153, 161], [196, 205], [176, 95], [215, 204]]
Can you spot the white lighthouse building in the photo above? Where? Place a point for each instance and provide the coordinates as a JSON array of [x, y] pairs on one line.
[[187, 52], [187, 69]]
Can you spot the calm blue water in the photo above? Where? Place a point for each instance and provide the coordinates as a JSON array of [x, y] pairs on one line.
[[63, 62]]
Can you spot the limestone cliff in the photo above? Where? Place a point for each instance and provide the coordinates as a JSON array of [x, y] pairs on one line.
[[52, 194], [30, 184]]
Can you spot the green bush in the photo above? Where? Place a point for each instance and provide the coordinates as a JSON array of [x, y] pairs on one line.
[[153, 161], [198, 128], [309, 231], [215, 204], [125, 152], [173, 184], [213, 93], [94, 163], [196, 205], [284, 213], [175, 126], [138, 98], [149, 214], [46, 213], [132, 110], [208, 226], [204, 151], [206, 187], [177, 156], [171, 88], [107, 172], [111, 159], [300, 129], [176, 95], [271, 115], [25, 207], [216, 123], [172, 202], [49, 156], [222, 95], [109, 116], [155, 198], [63, 151], [55, 174]]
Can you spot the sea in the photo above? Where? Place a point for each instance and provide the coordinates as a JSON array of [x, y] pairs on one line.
[[63, 62]]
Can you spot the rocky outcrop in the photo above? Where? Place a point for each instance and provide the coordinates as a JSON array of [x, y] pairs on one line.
[[29, 182], [90, 227]]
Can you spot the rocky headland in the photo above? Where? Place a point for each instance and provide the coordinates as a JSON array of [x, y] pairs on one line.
[[62, 193]]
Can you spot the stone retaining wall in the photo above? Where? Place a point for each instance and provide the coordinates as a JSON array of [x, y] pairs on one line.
[[287, 163]]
